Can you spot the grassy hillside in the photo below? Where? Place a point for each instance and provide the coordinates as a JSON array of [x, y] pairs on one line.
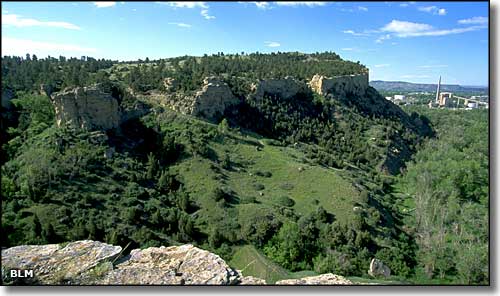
[[302, 182]]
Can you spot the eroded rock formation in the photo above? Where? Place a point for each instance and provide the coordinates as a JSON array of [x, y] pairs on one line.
[[209, 102], [355, 84], [90, 107], [94, 263], [94, 107], [214, 97], [283, 88]]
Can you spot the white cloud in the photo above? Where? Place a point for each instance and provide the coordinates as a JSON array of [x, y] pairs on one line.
[[347, 49], [259, 4], [408, 29], [272, 44], [433, 10], [305, 3], [477, 20], [403, 27], [19, 21], [383, 38], [204, 13], [185, 4], [432, 66], [362, 8], [404, 4], [103, 4], [381, 65], [182, 25], [19, 47], [353, 33]]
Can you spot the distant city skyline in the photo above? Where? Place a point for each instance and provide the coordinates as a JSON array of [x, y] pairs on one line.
[[398, 41]]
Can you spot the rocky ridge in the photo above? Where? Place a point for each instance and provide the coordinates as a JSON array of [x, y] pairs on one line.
[[215, 96], [95, 263]]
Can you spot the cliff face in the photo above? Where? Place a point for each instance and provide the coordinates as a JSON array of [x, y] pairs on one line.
[[214, 97], [356, 84], [92, 108], [87, 108], [284, 88], [209, 102], [95, 263]]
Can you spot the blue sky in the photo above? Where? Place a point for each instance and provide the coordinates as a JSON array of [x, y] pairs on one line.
[[409, 41]]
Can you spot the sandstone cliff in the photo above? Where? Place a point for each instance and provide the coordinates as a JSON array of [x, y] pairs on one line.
[[356, 84], [209, 102], [93, 107], [95, 263], [283, 88], [214, 97]]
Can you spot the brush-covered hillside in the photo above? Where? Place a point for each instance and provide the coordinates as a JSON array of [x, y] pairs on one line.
[[280, 163]]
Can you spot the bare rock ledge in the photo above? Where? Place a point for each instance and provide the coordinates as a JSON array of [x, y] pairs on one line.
[[95, 263]]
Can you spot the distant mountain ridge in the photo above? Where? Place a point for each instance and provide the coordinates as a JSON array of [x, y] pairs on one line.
[[408, 86]]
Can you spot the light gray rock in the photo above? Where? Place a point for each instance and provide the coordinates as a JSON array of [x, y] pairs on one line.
[[53, 264], [210, 102], [378, 268], [213, 99], [340, 85], [250, 280], [283, 88], [176, 265], [95, 263], [324, 279], [88, 108]]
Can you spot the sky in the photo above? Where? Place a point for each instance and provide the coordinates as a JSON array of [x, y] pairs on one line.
[[397, 41]]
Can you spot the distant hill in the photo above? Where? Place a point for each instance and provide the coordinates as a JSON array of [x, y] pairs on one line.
[[408, 86]]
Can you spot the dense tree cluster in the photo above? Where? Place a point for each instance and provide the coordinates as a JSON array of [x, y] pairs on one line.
[[27, 74], [448, 183]]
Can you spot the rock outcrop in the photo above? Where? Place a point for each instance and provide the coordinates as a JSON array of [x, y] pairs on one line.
[[183, 265], [324, 279], [94, 107], [283, 88], [88, 108], [54, 264], [378, 268], [210, 102], [170, 84], [94, 263], [356, 84], [214, 97]]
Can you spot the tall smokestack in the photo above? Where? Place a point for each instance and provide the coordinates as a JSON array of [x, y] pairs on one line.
[[437, 91]]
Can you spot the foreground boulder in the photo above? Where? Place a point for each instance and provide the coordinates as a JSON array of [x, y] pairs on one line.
[[94, 263], [54, 264], [182, 265], [324, 279]]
